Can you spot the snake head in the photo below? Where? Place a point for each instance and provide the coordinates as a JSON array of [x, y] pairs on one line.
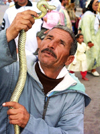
[[43, 6]]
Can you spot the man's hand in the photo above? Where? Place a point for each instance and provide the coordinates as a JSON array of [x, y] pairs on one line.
[[23, 20], [18, 114]]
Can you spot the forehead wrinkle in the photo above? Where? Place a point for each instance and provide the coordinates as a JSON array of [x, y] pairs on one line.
[[48, 35], [59, 39], [68, 39]]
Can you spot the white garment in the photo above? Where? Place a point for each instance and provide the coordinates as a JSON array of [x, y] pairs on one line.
[[31, 41], [80, 61], [96, 23], [55, 3]]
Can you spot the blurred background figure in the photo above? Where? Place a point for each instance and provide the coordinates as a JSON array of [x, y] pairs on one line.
[[10, 14], [80, 62], [90, 27], [71, 9], [63, 10], [56, 3], [51, 19]]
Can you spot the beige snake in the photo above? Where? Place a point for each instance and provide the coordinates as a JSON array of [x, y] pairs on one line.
[[22, 58]]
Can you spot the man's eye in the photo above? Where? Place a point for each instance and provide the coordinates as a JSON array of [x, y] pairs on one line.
[[49, 38], [62, 43]]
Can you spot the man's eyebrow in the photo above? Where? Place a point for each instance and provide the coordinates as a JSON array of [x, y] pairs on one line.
[[49, 36], [63, 42]]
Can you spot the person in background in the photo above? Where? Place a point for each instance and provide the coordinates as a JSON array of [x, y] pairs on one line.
[[12, 3], [53, 101], [9, 15], [67, 21], [55, 2], [51, 19], [90, 28], [7, 2], [80, 62]]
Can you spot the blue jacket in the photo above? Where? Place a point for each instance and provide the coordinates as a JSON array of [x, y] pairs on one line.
[[61, 111]]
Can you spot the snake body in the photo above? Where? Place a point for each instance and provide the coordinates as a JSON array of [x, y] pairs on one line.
[[42, 5]]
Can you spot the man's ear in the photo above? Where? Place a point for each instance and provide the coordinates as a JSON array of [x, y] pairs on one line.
[[69, 60]]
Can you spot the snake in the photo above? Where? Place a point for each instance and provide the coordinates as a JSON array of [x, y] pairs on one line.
[[43, 6]]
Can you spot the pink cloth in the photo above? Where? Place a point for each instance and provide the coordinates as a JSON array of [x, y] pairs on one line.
[[53, 18]]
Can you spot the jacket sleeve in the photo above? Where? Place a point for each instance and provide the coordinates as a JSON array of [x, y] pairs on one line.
[[7, 56], [70, 121], [7, 50]]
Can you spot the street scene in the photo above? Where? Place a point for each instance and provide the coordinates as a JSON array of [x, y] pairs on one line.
[[92, 111]]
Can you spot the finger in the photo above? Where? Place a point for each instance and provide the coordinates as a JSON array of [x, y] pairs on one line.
[[20, 26], [29, 18], [17, 122], [12, 111], [26, 24], [32, 13], [14, 122], [12, 104], [13, 117], [20, 119]]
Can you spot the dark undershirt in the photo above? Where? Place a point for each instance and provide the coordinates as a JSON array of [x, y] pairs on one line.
[[48, 83]]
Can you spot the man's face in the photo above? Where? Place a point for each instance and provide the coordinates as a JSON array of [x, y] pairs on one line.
[[54, 49], [22, 2]]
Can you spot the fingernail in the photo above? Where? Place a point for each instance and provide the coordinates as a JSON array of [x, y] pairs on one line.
[[37, 15], [4, 104]]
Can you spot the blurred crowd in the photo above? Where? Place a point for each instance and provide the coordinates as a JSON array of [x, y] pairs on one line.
[[87, 24]]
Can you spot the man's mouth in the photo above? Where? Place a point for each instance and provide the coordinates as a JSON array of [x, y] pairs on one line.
[[49, 51]]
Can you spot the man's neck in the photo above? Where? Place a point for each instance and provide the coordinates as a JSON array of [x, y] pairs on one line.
[[50, 72]]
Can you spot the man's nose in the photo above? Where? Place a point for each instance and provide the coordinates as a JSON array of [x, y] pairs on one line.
[[52, 44]]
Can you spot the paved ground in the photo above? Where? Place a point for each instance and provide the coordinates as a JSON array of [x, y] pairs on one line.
[[92, 112]]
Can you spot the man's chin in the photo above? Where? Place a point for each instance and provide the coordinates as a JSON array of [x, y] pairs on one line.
[[47, 62]]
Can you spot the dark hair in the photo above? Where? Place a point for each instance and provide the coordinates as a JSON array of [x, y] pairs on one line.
[[84, 10], [78, 35], [74, 43], [61, 1], [89, 8], [75, 9]]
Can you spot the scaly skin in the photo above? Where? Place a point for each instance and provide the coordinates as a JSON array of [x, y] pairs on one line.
[[22, 58]]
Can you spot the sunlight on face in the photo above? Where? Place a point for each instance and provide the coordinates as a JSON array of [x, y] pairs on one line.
[[54, 49]]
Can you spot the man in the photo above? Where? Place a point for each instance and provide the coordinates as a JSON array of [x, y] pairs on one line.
[[22, 5], [66, 16], [53, 100]]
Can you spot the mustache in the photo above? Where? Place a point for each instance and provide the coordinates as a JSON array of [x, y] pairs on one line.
[[50, 51]]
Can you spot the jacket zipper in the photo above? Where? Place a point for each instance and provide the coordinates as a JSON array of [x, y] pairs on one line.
[[46, 102]]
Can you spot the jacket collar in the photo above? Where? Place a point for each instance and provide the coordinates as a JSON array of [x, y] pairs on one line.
[[63, 85], [18, 6]]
